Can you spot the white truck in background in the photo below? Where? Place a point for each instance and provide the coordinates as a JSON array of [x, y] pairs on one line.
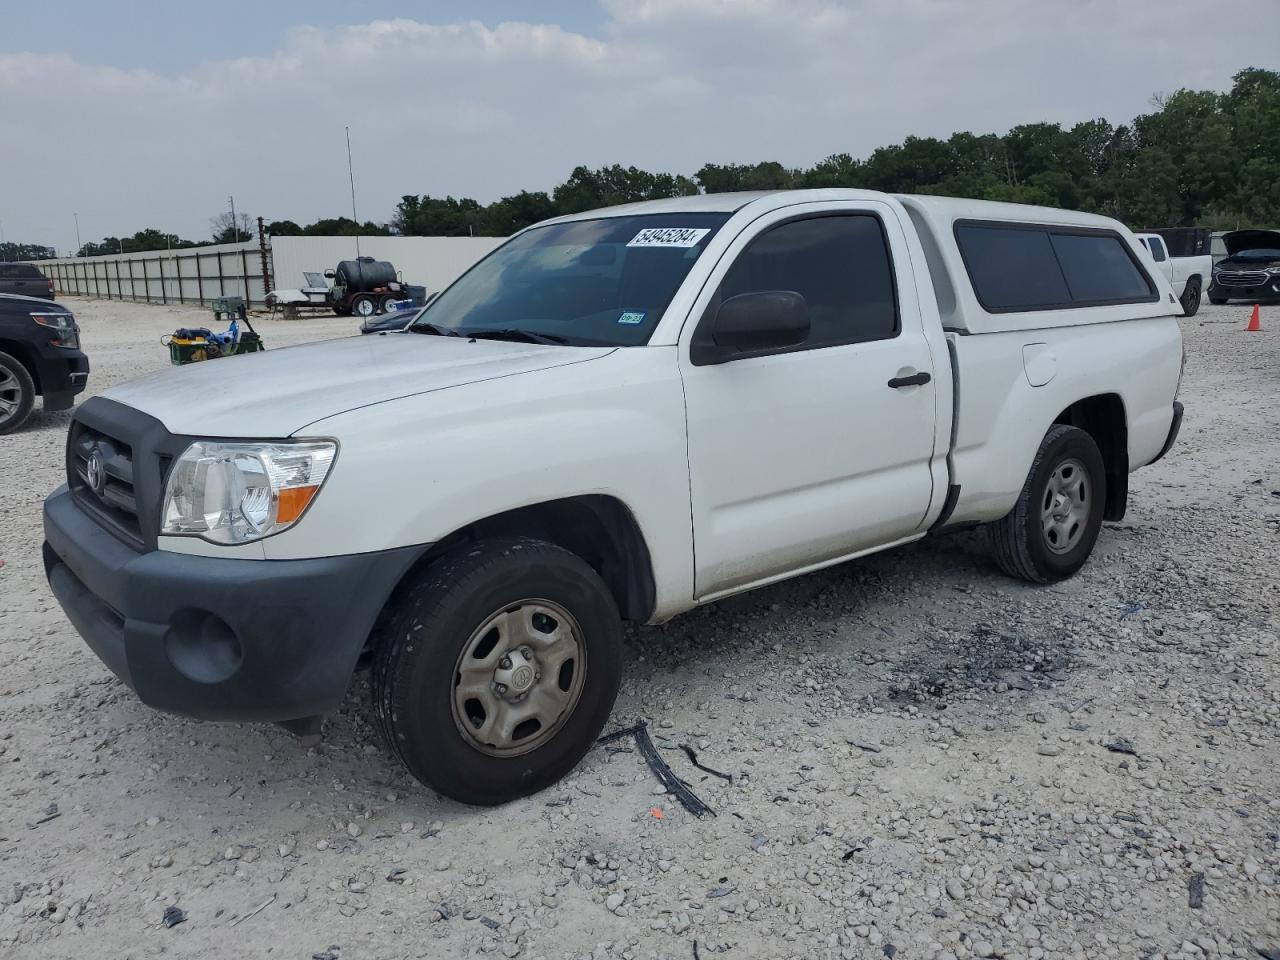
[[617, 415], [1188, 276]]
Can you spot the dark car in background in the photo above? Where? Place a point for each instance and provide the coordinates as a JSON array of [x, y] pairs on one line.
[[391, 321], [40, 356], [26, 280], [1250, 270]]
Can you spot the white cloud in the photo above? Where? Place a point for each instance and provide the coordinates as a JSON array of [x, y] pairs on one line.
[[480, 110]]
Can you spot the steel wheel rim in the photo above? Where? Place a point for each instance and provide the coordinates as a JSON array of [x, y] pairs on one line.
[[518, 678], [366, 308], [10, 394], [1065, 506]]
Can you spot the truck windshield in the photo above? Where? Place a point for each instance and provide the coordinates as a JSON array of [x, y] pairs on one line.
[[599, 282]]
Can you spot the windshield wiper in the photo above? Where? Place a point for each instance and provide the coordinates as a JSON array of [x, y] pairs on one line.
[[431, 328], [511, 333]]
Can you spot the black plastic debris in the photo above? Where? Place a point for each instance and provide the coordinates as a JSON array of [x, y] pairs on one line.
[[173, 916], [330, 954], [491, 923], [693, 758], [1121, 745], [396, 875], [890, 951], [1195, 891], [678, 788]]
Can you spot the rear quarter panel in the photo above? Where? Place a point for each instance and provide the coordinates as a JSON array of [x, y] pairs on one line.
[[1002, 417]]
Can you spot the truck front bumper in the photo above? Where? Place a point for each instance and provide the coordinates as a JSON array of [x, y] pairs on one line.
[[62, 373], [217, 638]]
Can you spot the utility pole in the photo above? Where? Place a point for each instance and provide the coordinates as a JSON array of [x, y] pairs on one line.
[[234, 225], [352, 177], [79, 245]]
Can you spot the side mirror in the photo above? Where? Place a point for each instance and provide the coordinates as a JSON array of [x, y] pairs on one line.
[[329, 274], [751, 324]]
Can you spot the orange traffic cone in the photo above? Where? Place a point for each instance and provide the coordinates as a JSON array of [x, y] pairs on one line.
[[1255, 321]]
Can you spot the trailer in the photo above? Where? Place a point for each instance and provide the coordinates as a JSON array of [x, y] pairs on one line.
[[363, 287]]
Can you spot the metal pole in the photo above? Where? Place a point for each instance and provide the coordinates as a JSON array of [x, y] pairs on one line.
[[351, 175], [79, 245], [235, 226]]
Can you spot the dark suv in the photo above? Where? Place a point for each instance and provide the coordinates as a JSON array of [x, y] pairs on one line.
[[25, 280], [39, 357], [1251, 269]]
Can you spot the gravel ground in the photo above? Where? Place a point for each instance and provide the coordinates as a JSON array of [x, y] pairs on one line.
[[927, 759]]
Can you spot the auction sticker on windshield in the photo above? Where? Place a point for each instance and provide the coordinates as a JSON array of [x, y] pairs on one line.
[[669, 237]]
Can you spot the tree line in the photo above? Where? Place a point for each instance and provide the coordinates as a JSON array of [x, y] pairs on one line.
[[1200, 158]]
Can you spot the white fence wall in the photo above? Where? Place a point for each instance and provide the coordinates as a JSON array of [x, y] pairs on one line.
[[199, 274], [191, 275], [432, 262]]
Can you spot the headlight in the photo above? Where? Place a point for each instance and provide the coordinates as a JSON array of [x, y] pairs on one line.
[[1274, 270], [64, 323], [240, 492]]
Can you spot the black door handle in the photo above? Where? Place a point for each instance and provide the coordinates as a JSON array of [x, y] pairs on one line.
[[915, 380]]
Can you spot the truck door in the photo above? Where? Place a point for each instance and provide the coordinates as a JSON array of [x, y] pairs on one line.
[[819, 450], [1163, 261]]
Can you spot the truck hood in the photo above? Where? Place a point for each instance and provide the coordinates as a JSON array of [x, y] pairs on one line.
[[276, 393], [1238, 240]]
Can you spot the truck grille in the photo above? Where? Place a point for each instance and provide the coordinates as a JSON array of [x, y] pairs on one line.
[[100, 475], [1241, 278]]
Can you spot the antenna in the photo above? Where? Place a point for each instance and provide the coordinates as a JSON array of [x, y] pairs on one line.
[[352, 177]]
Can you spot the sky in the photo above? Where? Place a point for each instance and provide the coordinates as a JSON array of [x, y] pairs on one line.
[[153, 117]]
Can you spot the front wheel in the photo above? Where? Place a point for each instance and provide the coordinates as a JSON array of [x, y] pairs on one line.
[[1217, 301], [498, 669], [1053, 527], [1191, 298], [17, 393], [364, 306]]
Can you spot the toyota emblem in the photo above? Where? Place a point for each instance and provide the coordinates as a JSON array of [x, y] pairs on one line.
[[93, 472]]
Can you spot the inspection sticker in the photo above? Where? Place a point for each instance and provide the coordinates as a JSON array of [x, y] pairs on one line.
[[632, 317], [669, 237]]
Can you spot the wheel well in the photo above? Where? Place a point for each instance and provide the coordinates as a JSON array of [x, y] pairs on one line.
[[19, 352], [1103, 418], [599, 529]]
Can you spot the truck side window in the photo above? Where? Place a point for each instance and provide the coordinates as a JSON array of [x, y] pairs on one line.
[[1157, 249], [839, 264], [1016, 267]]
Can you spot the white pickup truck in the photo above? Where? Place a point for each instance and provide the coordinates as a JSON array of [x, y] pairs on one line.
[[1187, 276], [620, 414]]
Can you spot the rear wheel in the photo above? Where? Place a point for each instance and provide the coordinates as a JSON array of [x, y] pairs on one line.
[[364, 306], [1052, 529], [385, 304], [17, 394], [498, 669], [1191, 297]]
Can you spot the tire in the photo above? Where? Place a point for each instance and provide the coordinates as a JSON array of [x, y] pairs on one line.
[[364, 306], [1217, 301], [1031, 542], [384, 304], [341, 311], [17, 394], [1191, 297], [459, 611]]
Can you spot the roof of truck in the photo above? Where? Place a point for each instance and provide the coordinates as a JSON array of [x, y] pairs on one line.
[[938, 209]]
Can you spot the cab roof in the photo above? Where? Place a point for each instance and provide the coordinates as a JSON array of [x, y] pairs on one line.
[[937, 209]]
